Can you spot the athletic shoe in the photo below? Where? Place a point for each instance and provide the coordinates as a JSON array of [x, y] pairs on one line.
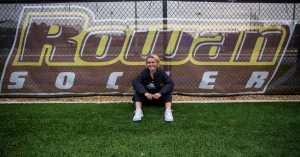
[[138, 115], [168, 115]]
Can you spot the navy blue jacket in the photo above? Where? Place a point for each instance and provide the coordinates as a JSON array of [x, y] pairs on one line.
[[161, 83]]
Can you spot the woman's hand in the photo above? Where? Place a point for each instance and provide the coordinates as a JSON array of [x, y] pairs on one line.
[[156, 96], [148, 95]]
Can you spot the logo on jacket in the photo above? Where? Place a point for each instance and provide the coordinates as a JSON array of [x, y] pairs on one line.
[[150, 86]]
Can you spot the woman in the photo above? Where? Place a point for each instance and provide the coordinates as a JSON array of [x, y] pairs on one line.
[[153, 86]]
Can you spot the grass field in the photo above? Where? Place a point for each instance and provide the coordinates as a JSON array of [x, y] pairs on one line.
[[222, 129]]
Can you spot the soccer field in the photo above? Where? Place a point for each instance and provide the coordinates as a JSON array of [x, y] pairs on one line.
[[216, 129]]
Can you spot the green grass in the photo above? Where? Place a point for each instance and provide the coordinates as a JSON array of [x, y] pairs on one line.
[[229, 129]]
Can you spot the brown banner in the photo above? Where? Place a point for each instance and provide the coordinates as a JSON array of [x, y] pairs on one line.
[[57, 52]]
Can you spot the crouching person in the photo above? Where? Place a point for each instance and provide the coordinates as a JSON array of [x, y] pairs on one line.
[[153, 86]]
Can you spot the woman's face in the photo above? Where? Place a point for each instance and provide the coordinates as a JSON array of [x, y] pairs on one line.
[[151, 64]]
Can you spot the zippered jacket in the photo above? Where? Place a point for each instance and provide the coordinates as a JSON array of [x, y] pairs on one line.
[[161, 83]]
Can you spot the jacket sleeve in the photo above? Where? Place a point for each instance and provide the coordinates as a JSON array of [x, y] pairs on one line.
[[138, 85], [168, 84]]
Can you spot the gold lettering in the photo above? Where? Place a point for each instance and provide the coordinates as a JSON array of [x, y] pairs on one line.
[[137, 44]]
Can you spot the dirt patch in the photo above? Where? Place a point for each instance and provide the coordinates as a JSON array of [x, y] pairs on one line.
[[176, 98]]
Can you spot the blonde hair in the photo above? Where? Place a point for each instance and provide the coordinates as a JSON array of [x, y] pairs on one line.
[[155, 57]]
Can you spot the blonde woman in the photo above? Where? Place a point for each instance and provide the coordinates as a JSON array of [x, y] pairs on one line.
[[153, 86]]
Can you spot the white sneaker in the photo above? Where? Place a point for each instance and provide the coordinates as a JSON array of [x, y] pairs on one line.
[[138, 115], [168, 115]]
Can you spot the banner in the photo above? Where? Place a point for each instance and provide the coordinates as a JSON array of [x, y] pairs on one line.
[[59, 52]]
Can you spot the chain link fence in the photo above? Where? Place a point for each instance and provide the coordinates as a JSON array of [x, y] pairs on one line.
[[137, 11]]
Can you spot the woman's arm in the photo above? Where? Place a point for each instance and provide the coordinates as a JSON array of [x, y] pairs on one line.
[[168, 84], [137, 84]]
